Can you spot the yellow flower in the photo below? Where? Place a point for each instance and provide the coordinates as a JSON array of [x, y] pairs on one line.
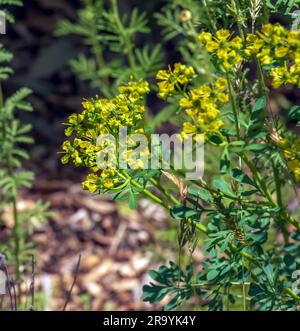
[[223, 47], [278, 75], [222, 35], [236, 43], [253, 44], [265, 56], [202, 106], [102, 117], [220, 84], [189, 128], [272, 45], [281, 51], [214, 126], [290, 150], [223, 97], [91, 183], [211, 46], [172, 80], [285, 75], [135, 90], [109, 178], [204, 37]]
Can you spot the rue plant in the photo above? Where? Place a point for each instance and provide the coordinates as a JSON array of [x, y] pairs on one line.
[[238, 214]]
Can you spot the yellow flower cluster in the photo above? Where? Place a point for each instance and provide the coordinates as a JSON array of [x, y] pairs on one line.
[[291, 153], [202, 105], [107, 180], [170, 81], [100, 117], [277, 49], [225, 48]]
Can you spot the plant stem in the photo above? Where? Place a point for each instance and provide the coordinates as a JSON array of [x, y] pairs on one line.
[[100, 62], [124, 34], [144, 190], [238, 19], [203, 229], [210, 19], [278, 186], [234, 107], [268, 195], [16, 227], [284, 231], [164, 192]]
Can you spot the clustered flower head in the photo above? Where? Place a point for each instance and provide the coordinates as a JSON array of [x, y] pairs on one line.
[[202, 105], [101, 117], [223, 46], [291, 153], [108, 180], [170, 81], [276, 48]]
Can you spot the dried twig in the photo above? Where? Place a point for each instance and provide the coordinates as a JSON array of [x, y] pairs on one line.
[[73, 284]]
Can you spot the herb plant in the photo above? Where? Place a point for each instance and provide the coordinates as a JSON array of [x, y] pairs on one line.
[[233, 60], [14, 136]]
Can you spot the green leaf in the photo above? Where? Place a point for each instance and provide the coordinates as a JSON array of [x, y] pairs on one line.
[[133, 204], [255, 147], [201, 194], [225, 161], [242, 177], [154, 293], [290, 262], [216, 140], [212, 274], [183, 212], [236, 146], [223, 186], [294, 112], [260, 104], [257, 118]]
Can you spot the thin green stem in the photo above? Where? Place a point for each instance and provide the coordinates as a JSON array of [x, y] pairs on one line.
[[259, 179], [210, 19], [97, 49], [203, 229], [283, 228], [124, 34], [278, 186], [235, 3], [16, 227], [164, 192], [268, 195], [234, 106], [262, 83], [144, 190]]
